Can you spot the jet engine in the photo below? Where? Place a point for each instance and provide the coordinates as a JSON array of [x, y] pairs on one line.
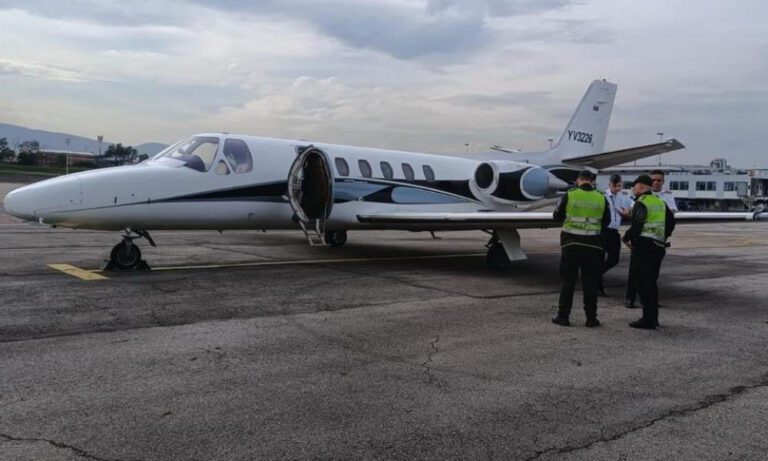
[[507, 182]]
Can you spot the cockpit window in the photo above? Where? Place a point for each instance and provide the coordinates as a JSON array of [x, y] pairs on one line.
[[222, 168], [197, 152], [239, 156]]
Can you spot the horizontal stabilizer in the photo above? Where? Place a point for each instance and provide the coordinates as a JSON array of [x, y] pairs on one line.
[[618, 157]]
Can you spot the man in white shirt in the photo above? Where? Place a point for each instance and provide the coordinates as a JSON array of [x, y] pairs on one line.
[[657, 176], [620, 206]]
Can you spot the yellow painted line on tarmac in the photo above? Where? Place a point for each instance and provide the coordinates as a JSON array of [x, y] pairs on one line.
[[311, 261], [77, 272]]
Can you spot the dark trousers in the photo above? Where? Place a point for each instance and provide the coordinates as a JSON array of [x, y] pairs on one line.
[[648, 256], [611, 252], [631, 288], [590, 260]]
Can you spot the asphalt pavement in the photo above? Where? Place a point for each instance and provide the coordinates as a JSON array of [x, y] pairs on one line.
[[249, 345]]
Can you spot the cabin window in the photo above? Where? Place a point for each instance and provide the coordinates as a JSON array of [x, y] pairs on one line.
[[408, 172], [429, 173], [238, 154], [341, 166], [365, 168], [386, 170], [729, 186]]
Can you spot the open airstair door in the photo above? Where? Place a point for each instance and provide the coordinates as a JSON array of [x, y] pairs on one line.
[[310, 192]]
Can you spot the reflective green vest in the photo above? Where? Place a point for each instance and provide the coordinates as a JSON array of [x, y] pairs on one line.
[[656, 219], [584, 212]]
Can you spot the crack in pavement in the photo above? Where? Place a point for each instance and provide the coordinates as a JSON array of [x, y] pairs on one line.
[[431, 379], [702, 404], [78, 451]]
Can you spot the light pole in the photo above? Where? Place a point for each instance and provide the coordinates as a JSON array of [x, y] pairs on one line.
[[660, 134], [466, 144], [550, 142], [100, 138]]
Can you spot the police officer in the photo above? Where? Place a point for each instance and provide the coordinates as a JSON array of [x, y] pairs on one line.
[[657, 184], [620, 206], [585, 215], [652, 223]]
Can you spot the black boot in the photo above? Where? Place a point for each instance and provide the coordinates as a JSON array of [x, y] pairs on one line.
[[643, 324], [562, 321]]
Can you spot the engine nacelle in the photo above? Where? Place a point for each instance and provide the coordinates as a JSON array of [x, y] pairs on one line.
[[508, 182]]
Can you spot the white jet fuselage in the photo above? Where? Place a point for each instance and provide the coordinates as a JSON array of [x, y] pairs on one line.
[[165, 193]]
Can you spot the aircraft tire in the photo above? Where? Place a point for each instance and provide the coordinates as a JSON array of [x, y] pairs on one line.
[[125, 257], [497, 258], [336, 238]]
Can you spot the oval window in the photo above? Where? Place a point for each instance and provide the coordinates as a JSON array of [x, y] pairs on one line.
[[341, 166], [365, 168], [386, 170], [428, 173], [408, 172]]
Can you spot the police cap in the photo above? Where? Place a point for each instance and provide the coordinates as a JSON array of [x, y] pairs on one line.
[[643, 179]]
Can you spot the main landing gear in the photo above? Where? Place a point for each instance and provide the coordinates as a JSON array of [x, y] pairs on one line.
[[126, 255], [335, 238], [497, 258]]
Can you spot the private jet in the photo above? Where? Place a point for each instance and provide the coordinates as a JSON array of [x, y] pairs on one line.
[[223, 181]]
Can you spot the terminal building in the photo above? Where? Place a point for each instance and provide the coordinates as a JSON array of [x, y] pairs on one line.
[[716, 187]]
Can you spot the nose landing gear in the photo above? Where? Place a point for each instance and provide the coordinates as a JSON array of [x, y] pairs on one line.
[[126, 255]]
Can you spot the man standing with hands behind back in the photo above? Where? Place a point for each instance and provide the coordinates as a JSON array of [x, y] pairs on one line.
[[657, 187], [585, 216], [652, 224]]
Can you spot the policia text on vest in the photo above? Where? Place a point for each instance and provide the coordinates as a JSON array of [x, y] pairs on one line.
[[585, 215]]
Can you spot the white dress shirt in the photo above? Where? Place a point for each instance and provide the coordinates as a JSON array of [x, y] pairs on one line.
[[616, 202], [668, 198]]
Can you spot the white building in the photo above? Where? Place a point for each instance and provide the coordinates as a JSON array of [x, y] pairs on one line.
[[716, 187]]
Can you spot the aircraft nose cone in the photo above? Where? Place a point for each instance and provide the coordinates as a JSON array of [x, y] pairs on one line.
[[18, 204]]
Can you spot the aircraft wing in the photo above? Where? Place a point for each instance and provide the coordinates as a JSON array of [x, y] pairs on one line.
[[519, 219], [461, 221], [618, 157], [688, 217]]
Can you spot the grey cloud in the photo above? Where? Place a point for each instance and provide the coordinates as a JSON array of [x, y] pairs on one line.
[[503, 100], [568, 30], [497, 8], [117, 13], [442, 27]]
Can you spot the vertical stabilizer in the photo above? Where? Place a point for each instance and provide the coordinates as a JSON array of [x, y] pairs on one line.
[[585, 133]]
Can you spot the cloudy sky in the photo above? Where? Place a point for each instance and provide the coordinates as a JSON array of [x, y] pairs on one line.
[[426, 75]]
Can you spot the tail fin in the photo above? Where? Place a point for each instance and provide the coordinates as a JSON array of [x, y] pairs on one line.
[[585, 133]]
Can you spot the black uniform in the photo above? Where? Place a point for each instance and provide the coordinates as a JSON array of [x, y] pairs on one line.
[[583, 252], [645, 261]]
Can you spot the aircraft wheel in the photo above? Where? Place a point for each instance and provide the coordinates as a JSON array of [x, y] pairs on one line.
[[497, 258], [125, 256], [336, 238]]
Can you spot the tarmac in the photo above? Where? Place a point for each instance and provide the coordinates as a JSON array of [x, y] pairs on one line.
[[250, 345]]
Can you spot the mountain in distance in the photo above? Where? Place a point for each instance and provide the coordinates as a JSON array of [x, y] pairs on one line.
[[58, 141]]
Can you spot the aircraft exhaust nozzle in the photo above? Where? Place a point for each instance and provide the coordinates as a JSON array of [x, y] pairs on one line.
[[555, 183]]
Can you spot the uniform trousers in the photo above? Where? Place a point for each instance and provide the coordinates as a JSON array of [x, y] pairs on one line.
[[647, 256], [589, 259], [611, 254]]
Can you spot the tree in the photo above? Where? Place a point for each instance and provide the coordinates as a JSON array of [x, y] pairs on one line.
[[121, 154], [5, 151], [29, 147]]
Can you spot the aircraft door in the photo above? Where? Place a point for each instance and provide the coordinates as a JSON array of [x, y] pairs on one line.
[[310, 192]]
